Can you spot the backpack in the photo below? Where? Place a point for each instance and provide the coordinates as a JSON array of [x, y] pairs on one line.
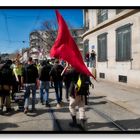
[[6, 77], [30, 73], [82, 85], [44, 75], [56, 72]]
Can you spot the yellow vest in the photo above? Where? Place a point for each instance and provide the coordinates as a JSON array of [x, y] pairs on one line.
[[17, 70]]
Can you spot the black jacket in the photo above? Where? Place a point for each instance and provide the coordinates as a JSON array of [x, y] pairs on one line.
[[56, 72], [44, 72], [29, 73], [6, 76]]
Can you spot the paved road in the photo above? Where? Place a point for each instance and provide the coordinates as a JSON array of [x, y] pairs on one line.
[[47, 119]]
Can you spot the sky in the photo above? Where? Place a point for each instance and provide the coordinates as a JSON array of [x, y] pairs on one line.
[[17, 24]]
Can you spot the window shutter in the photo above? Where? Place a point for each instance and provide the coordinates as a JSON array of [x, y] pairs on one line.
[[123, 43], [102, 47]]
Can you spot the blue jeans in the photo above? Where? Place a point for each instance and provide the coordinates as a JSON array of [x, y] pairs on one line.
[[28, 88], [58, 89], [92, 63], [44, 85]]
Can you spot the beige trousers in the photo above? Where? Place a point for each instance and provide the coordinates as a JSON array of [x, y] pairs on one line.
[[80, 102]]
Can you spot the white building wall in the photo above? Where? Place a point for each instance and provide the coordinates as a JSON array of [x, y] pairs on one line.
[[112, 68]]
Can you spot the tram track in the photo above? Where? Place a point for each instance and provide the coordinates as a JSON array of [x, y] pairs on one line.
[[116, 120], [100, 113], [108, 118], [59, 126], [55, 120], [103, 115]]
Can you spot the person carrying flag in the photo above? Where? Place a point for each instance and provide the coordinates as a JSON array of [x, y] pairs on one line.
[[66, 49]]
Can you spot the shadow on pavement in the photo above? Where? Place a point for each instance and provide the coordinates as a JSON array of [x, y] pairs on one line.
[[64, 104], [97, 103], [62, 109], [62, 126], [37, 112], [99, 125], [129, 125], [97, 97], [7, 125], [4, 113]]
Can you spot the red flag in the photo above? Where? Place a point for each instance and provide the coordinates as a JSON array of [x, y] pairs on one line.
[[65, 48]]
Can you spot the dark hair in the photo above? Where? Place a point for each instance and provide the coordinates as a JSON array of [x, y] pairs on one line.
[[43, 63], [9, 62], [48, 61], [30, 59], [56, 61]]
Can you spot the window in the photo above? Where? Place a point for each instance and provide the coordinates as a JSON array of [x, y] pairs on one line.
[[102, 75], [119, 10], [102, 15], [86, 47], [86, 20], [123, 43], [123, 78], [102, 47]]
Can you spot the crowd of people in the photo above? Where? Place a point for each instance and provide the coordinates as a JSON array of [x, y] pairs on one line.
[[15, 77]]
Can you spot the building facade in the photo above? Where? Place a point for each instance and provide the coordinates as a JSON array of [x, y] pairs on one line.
[[114, 34], [42, 41], [39, 45]]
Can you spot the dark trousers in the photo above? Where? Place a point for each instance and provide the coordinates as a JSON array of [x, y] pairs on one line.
[[67, 86], [58, 90]]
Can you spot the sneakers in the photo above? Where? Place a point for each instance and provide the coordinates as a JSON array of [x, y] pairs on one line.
[[61, 103], [25, 110], [58, 106]]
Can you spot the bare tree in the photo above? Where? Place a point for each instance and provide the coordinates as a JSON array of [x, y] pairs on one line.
[[48, 33], [50, 28]]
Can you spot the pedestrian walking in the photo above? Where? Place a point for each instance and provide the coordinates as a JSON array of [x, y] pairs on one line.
[[51, 84], [92, 58], [6, 80], [44, 78], [78, 91], [87, 58], [55, 76], [29, 79], [67, 80], [17, 71], [78, 97]]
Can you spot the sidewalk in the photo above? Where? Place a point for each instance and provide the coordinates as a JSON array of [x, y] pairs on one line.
[[126, 97]]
